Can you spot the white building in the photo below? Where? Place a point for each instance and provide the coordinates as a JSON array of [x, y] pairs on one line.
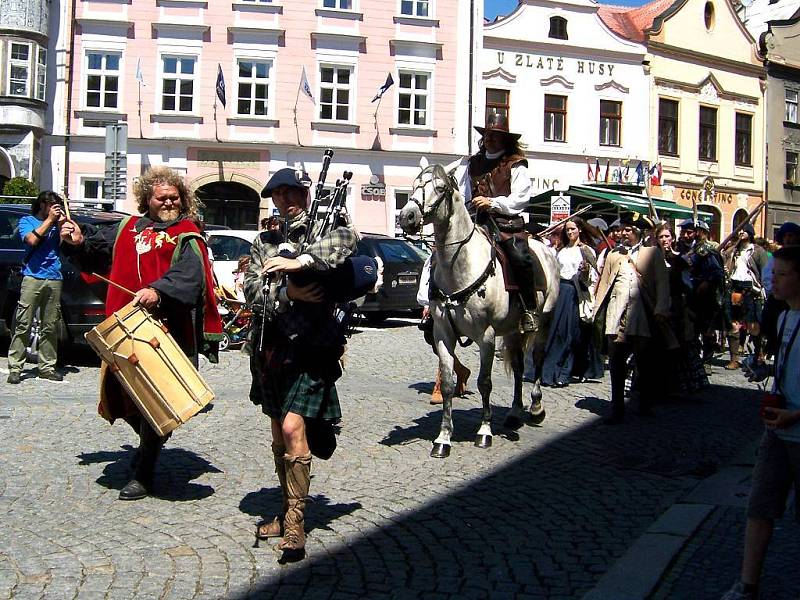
[[576, 92]]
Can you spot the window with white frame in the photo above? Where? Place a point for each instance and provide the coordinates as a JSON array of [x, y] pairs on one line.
[[610, 122], [413, 103], [177, 83], [340, 4], [102, 79], [92, 189], [791, 169], [791, 106], [253, 82], [335, 86], [415, 8], [41, 73], [19, 69]]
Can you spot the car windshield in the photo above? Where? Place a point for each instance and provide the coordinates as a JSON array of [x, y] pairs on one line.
[[396, 251]]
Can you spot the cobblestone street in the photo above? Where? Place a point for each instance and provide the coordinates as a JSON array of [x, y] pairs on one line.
[[544, 513]]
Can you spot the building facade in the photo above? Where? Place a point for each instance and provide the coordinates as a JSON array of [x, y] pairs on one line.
[[706, 105], [23, 85], [156, 66], [776, 28], [575, 90]]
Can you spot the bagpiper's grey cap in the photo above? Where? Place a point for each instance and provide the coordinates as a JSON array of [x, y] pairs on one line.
[[296, 178]]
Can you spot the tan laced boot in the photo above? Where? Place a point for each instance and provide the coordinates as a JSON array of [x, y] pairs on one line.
[[298, 478], [436, 394], [462, 376], [272, 529], [733, 344]]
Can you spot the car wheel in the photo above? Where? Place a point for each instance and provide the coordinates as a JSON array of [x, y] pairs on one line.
[[225, 342]]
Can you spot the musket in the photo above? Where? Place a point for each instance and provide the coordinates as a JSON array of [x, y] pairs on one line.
[[554, 226], [735, 233]]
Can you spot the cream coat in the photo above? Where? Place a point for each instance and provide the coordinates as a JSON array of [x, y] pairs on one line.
[[653, 288]]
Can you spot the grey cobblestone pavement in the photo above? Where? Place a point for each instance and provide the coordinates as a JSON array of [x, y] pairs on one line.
[[544, 513]]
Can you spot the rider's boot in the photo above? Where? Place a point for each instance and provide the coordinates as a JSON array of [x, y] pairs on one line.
[[521, 261]]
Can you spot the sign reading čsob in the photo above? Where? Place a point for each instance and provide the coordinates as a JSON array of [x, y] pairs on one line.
[[374, 191]]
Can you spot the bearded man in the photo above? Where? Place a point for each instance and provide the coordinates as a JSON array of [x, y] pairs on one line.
[[162, 256]]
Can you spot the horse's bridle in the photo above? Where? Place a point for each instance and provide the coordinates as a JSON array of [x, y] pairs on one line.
[[450, 183]]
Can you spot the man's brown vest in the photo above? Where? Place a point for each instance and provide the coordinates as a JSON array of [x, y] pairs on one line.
[[492, 177]]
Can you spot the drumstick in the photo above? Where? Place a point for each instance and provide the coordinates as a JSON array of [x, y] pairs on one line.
[[66, 209], [116, 285]]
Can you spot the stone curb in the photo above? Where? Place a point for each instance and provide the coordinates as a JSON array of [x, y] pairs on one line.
[[635, 575]]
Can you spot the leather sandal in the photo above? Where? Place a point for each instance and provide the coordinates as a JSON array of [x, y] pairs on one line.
[[269, 529]]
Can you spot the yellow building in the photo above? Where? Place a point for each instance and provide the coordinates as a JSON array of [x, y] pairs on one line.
[[706, 105]]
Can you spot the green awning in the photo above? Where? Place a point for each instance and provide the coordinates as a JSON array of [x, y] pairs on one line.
[[609, 202]]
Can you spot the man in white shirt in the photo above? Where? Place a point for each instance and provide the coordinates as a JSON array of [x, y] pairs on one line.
[[496, 188]]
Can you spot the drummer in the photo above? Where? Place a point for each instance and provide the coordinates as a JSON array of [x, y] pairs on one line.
[[162, 257], [296, 364]]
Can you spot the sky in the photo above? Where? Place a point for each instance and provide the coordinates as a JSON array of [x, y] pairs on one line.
[[492, 8]]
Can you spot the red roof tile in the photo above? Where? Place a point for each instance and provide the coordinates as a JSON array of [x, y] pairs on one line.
[[631, 23]]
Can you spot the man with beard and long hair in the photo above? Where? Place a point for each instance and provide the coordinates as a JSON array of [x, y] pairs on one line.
[[162, 256]]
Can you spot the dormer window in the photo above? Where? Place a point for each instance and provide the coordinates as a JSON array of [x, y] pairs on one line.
[[558, 28]]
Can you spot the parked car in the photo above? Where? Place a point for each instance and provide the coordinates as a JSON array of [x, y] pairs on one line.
[[228, 246], [82, 299], [402, 266]]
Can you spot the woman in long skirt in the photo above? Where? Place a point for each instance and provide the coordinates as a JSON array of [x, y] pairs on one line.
[[569, 350]]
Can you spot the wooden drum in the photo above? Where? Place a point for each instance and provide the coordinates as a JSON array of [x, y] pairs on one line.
[[152, 368]]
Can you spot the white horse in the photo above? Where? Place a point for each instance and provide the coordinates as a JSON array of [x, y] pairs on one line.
[[469, 299]]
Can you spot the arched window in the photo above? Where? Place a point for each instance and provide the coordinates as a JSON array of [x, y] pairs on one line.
[[716, 221], [558, 28], [739, 216]]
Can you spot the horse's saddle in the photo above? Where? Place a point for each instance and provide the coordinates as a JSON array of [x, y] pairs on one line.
[[539, 278]]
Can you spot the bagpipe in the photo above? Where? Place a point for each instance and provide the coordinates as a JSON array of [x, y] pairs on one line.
[[352, 279]]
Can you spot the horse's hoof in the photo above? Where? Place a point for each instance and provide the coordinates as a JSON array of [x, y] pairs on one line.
[[440, 450], [483, 441], [512, 422], [538, 417]]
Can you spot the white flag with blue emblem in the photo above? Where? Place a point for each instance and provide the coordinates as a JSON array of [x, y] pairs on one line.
[[220, 85], [305, 87], [139, 76]]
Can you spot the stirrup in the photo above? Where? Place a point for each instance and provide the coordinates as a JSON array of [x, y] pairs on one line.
[[529, 322]]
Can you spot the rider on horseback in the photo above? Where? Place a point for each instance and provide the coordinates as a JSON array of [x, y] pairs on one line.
[[496, 188]]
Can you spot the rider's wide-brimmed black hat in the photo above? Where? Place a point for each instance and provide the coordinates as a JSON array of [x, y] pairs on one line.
[[497, 122]]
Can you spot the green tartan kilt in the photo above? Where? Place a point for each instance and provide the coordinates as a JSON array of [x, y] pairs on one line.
[[284, 383]]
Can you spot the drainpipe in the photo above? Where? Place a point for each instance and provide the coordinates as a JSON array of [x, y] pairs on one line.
[[70, 70], [471, 73], [765, 131]]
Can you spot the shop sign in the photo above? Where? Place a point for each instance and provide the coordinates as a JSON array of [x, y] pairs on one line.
[[559, 208], [374, 191]]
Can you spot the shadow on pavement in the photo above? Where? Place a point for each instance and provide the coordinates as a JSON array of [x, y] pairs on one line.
[[175, 470], [266, 502], [548, 523]]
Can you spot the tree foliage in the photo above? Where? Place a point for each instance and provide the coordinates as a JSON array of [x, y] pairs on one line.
[[19, 186]]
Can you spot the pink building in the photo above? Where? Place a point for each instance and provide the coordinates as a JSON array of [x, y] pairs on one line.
[[153, 64]]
